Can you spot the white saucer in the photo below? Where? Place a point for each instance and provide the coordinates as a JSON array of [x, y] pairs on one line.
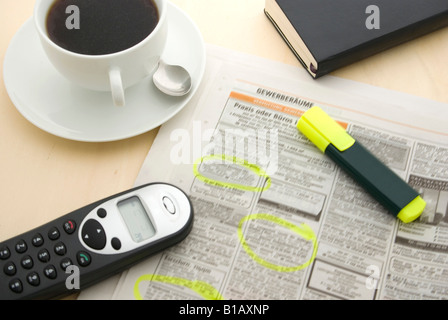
[[54, 105]]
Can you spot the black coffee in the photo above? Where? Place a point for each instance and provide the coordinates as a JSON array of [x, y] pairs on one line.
[[97, 27]]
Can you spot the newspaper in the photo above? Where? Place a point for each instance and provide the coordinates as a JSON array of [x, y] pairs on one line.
[[277, 219]]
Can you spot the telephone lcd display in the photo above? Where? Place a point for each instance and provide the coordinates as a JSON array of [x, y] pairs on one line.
[[136, 219]]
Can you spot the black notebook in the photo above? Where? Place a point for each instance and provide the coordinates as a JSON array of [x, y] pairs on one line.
[[329, 34]]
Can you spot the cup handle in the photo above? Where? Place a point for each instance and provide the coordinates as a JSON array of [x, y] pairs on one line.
[[116, 87]]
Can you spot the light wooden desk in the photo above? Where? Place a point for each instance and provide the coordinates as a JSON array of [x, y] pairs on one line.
[[43, 176]]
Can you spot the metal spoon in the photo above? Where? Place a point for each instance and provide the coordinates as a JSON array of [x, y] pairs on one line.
[[172, 80]]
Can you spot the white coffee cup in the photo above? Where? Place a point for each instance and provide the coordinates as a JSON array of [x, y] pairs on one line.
[[112, 72]]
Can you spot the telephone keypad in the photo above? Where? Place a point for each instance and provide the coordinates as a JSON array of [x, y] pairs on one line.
[[47, 260]]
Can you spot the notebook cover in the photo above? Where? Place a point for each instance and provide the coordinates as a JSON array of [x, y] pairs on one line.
[[336, 34]]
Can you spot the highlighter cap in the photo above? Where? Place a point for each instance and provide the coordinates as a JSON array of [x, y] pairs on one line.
[[412, 211], [322, 130]]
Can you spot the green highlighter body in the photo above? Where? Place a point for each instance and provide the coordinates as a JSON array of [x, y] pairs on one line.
[[381, 182]]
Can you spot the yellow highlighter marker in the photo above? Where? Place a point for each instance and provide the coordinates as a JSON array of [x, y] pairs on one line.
[[382, 183]]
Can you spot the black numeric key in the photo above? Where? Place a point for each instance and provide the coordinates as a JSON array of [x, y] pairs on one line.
[[21, 246], [16, 285]]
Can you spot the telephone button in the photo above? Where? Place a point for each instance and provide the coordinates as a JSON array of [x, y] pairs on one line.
[[93, 234], [43, 255], [50, 272], [33, 279], [69, 226], [169, 205], [83, 258], [65, 263], [60, 249], [4, 253], [10, 269], [21, 246], [37, 240], [53, 234], [101, 212], [16, 286], [27, 262], [116, 243]]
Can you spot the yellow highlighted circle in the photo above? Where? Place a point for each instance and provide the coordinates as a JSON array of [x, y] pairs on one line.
[[202, 288], [252, 167], [303, 230]]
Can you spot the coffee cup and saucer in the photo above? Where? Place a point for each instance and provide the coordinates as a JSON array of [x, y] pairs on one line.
[[76, 95]]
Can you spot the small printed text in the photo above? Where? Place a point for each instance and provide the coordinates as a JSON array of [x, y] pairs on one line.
[[226, 309]]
